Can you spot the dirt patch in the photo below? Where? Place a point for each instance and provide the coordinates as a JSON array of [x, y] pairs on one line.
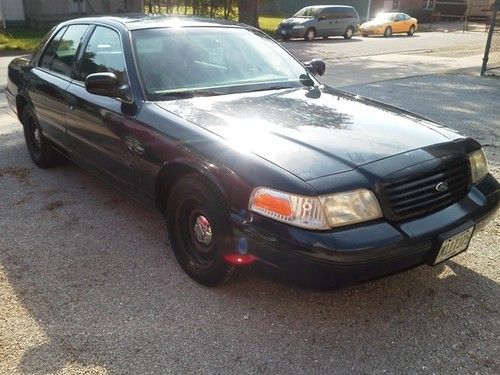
[[55, 205], [21, 174]]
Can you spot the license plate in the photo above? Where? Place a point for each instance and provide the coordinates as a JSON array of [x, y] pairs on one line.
[[454, 245]]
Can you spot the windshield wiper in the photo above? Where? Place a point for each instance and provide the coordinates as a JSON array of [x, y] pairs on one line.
[[188, 94]]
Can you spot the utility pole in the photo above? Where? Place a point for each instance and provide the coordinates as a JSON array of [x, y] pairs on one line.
[[2, 15], [369, 10]]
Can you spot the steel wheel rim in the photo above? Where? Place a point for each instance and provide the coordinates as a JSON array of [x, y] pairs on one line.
[[196, 233]]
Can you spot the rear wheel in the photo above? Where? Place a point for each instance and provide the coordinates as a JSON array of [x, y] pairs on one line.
[[388, 32], [365, 35], [199, 230], [310, 34], [349, 32], [39, 147], [411, 31]]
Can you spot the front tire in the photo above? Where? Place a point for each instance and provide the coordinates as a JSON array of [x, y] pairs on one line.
[[411, 31], [40, 148], [199, 230], [310, 34], [388, 32], [349, 32]]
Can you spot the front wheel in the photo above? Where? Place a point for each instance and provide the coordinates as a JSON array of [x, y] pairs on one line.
[[349, 33], [388, 32], [199, 230], [411, 31], [310, 34]]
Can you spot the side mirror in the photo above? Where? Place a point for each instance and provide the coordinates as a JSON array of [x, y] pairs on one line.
[[106, 84], [316, 66]]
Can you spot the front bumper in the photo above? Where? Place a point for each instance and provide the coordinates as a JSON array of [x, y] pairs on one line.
[[365, 251], [372, 31], [290, 33]]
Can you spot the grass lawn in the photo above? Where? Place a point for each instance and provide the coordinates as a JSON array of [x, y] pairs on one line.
[[20, 39], [269, 24]]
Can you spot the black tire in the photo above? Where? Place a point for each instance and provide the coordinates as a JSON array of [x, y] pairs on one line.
[[310, 34], [365, 35], [388, 32], [40, 148], [411, 31], [349, 32], [194, 203]]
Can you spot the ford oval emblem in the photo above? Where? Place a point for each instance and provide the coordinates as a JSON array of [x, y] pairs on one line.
[[442, 186]]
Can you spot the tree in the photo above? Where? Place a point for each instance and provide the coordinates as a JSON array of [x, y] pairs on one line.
[[247, 10]]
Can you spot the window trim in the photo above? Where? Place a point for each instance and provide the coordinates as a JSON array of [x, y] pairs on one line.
[[73, 67], [83, 47]]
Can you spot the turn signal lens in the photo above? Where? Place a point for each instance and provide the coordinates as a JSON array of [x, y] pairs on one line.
[[301, 211], [274, 203]]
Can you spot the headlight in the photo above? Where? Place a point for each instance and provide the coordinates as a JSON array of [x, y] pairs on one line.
[[320, 213], [478, 165], [298, 27]]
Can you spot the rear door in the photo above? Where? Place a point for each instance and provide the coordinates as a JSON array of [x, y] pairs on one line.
[[51, 78], [100, 128], [324, 25], [340, 21]]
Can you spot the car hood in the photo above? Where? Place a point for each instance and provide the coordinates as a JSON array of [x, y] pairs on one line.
[[376, 23], [296, 21], [310, 132]]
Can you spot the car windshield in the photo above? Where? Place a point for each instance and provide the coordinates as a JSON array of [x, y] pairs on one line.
[[186, 61], [307, 12], [385, 17]]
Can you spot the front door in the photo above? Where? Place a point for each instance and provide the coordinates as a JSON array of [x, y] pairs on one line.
[[100, 128]]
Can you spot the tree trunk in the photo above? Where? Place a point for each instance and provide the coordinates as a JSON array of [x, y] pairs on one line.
[[247, 11]]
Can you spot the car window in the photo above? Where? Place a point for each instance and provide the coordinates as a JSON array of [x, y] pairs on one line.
[[48, 54], [352, 13], [66, 50], [399, 17], [104, 53], [171, 60]]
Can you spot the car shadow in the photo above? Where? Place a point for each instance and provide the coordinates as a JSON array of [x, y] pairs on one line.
[[330, 40], [93, 272]]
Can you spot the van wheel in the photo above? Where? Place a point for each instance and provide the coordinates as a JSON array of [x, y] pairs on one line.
[[349, 33], [310, 34], [39, 147], [388, 32], [411, 31], [199, 230]]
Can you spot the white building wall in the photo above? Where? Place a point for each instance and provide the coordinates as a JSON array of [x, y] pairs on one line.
[[13, 10]]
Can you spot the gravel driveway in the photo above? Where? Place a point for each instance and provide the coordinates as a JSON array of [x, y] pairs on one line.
[[88, 284]]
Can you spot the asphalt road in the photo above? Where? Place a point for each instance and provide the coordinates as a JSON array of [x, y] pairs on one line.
[[89, 285], [372, 59], [337, 48]]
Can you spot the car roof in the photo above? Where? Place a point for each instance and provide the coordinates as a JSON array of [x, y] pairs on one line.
[[148, 21], [328, 6]]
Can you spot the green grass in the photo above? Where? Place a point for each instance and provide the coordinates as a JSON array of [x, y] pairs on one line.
[[20, 39], [269, 24]]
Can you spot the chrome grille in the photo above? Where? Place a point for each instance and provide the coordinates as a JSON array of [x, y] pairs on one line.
[[417, 195]]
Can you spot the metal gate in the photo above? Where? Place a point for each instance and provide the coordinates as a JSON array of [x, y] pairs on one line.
[[491, 60]]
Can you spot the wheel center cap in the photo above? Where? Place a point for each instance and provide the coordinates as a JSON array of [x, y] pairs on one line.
[[202, 230]]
